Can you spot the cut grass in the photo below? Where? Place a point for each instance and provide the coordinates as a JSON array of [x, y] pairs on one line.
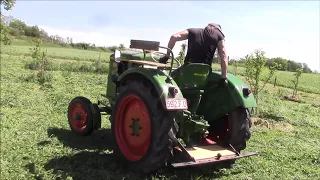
[[36, 141], [95, 67]]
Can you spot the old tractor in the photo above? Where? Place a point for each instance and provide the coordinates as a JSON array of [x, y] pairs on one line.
[[163, 116]]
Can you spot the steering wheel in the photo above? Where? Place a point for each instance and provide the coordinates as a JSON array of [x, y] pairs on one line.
[[164, 54]]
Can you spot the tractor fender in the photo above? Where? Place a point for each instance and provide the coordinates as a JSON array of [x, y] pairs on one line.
[[224, 100], [236, 86], [157, 78]]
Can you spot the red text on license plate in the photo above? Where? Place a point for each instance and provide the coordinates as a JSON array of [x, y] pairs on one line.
[[176, 103]]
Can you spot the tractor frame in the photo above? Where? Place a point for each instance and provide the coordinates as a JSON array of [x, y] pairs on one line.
[[189, 99]]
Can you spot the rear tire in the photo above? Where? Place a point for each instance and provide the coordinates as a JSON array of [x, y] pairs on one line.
[[234, 130], [239, 125], [155, 146]]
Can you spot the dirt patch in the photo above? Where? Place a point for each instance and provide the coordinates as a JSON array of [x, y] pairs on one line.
[[261, 122], [291, 98], [284, 127]]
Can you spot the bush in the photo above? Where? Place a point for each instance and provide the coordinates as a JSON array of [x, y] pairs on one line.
[[99, 67], [41, 77], [34, 65], [254, 67], [85, 68], [44, 77]]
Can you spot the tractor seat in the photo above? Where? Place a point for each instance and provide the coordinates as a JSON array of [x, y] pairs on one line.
[[192, 78]]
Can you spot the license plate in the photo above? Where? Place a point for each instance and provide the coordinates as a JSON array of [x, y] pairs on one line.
[[176, 104]]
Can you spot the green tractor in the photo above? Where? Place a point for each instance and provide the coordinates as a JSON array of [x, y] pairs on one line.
[[161, 116]]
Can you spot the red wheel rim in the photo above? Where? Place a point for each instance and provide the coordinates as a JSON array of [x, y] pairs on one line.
[[78, 117], [132, 127]]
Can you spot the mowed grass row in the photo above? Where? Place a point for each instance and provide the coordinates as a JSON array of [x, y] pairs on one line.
[[36, 141], [58, 53], [95, 66]]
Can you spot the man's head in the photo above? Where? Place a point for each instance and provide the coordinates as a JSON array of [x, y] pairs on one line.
[[215, 26], [211, 27]]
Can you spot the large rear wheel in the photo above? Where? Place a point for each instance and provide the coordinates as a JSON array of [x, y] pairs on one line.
[[140, 126], [233, 129]]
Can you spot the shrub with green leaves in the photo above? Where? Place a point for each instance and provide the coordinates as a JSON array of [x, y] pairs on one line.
[[254, 67], [182, 53], [40, 62], [5, 37], [295, 81]]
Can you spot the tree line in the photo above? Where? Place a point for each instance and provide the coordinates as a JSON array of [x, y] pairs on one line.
[[20, 30], [280, 64], [11, 27]]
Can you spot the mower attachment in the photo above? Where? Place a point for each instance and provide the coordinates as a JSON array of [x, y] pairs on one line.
[[146, 45], [209, 154]]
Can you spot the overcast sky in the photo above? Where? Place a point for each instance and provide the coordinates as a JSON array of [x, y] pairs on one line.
[[288, 29]]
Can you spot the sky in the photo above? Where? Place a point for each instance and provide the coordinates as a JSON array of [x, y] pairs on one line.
[[287, 29]]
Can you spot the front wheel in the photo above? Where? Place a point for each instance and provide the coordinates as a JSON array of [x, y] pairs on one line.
[[140, 126], [83, 116]]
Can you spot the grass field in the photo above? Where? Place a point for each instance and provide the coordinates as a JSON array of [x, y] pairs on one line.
[[36, 142]]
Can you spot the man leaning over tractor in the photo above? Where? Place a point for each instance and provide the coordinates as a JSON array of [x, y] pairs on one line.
[[202, 44]]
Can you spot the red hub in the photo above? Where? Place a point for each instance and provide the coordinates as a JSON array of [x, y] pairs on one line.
[[78, 117], [132, 127]]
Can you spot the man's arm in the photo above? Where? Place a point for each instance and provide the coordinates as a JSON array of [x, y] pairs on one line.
[[180, 36], [223, 58]]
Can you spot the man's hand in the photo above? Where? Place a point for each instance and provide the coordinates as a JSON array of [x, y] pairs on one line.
[[223, 82], [164, 59]]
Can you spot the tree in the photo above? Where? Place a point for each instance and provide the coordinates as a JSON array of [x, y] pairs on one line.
[[235, 65], [121, 47], [293, 66], [295, 81], [215, 58], [17, 27], [5, 36], [33, 31], [254, 66], [282, 63], [7, 4], [182, 53], [305, 68], [7, 19], [113, 48]]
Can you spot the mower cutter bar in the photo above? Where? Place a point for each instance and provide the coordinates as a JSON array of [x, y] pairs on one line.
[[212, 160]]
